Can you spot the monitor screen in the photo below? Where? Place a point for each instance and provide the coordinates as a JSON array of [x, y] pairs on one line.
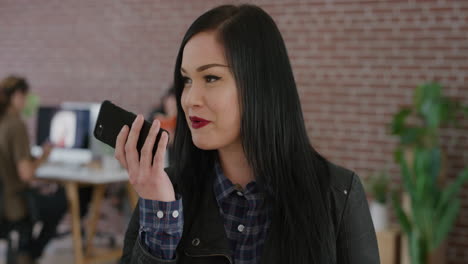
[[64, 128]]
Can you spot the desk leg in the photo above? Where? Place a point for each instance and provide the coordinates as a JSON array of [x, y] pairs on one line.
[[132, 195], [74, 204], [98, 194]]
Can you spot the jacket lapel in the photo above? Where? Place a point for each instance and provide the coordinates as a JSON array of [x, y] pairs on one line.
[[207, 236]]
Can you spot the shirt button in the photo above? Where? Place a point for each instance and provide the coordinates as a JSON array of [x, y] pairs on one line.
[[196, 242], [160, 214], [175, 214], [240, 194], [241, 228]]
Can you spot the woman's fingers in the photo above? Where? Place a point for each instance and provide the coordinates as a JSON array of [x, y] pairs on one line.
[[158, 162], [147, 150], [119, 152], [150, 181], [131, 153]]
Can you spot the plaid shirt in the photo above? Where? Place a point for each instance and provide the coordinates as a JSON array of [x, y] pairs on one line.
[[161, 226], [245, 217]]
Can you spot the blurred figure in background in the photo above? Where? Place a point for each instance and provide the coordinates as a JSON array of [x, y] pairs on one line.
[[166, 113], [24, 200]]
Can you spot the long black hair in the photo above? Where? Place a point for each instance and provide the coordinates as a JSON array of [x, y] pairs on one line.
[[292, 175], [8, 87]]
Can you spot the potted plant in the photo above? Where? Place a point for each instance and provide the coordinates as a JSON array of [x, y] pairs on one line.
[[433, 207], [378, 186], [31, 106]]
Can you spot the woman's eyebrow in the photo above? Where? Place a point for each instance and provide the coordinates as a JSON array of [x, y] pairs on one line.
[[205, 67]]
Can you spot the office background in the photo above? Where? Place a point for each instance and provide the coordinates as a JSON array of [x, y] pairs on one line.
[[355, 62]]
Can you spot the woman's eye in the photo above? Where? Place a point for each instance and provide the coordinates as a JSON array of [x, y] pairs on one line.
[[186, 80], [211, 78]]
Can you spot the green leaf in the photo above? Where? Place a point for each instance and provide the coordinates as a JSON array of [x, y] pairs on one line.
[[435, 164], [450, 110], [426, 169], [402, 217], [398, 123], [452, 190], [378, 185], [432, 114], [407, 177], [427, 100], [448, 217], [31, 106], [411, 135], [416, 248], [419, 174]]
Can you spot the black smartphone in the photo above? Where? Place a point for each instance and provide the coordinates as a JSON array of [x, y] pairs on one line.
[[110, 121]]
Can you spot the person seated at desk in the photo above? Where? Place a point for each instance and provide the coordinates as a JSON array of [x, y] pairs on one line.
[[23, 204]]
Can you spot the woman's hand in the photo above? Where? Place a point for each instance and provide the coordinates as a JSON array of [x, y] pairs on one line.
[[46, 150], [146, 173]]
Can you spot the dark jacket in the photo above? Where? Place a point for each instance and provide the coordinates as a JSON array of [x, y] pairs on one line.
[[356, 242]]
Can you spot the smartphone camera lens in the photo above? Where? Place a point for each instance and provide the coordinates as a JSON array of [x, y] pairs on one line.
[[99, 130]]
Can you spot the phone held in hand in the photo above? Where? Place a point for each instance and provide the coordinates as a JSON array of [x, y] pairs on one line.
[[112, 118]]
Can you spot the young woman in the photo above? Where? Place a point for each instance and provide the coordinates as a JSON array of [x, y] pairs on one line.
[[246, 185], [17, 169]]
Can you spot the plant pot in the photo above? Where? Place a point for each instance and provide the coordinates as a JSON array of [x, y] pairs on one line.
[[437, 256], [379, 214]]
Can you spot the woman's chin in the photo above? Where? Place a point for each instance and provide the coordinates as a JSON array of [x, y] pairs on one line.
[[203, 144]]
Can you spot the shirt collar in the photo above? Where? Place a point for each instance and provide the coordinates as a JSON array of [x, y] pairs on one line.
[[223, 187]]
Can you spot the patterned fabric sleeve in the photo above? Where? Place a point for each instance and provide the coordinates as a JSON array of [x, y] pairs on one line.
[[161, 226]]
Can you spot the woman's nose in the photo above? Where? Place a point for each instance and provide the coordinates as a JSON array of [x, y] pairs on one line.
[[194, 96]]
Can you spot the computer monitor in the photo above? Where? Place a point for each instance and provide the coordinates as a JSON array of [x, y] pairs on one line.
[[96, 147], [64, 128], [69, 126]]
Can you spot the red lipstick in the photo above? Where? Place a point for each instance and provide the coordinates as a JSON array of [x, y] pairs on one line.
[[198, 122]]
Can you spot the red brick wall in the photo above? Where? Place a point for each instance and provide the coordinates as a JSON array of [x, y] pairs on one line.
[[356, 62]]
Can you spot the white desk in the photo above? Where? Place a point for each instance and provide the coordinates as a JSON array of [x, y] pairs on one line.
[[71, 177], [80, 174]]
